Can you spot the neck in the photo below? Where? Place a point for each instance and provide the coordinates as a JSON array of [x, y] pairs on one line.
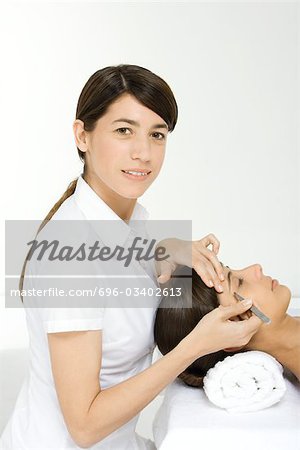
[[282, 342], [122, 206]]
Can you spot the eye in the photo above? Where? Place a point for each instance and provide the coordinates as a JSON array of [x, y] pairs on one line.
[[240, 280], [162, 136], [121, 130]]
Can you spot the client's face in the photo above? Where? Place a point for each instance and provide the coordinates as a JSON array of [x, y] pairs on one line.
[[269, 296]]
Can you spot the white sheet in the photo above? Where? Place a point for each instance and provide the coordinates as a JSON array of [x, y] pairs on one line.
[[187, 420]]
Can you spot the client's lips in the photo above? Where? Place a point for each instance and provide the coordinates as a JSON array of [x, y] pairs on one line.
[[275, 283]]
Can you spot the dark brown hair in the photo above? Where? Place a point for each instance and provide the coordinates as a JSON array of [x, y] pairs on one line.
[[176, 317], [100, 91]]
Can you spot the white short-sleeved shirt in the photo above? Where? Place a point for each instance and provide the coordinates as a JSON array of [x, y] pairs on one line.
[[127, 346]]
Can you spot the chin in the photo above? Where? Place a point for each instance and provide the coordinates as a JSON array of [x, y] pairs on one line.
[[134, 196], [284, 289], [132, 193], [283, 294]]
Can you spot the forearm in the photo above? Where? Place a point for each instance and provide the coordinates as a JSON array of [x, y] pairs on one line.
[[115, 406]]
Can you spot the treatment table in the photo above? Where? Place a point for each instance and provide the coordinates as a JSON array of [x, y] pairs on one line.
[[188, 420]]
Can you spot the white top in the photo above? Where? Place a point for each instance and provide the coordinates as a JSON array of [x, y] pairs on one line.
[[127, 346]]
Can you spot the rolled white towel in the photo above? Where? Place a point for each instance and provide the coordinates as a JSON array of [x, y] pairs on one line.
[[245, 382]]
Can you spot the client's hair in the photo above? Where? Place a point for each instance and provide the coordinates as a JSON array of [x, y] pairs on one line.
[[176, 317]]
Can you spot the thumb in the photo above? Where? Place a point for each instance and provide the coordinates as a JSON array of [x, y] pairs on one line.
[[165, 272], [236, 309]]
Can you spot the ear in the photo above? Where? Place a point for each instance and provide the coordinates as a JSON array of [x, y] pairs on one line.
[[233, 349], [80, 135]]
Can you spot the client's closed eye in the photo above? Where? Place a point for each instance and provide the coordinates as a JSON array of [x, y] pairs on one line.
[[240, 280]]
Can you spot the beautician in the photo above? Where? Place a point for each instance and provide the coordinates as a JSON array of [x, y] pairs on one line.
[[90, 369]]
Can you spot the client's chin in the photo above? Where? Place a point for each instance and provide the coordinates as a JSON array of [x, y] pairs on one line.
[[284, 291]]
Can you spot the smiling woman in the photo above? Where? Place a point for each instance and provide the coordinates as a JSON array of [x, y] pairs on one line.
[[116, 154], [280, 338], [90, 363]]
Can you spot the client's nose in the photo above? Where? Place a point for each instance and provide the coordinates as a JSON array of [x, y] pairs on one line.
[[255, 271]]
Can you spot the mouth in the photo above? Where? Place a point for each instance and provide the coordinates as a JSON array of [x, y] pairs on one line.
[[275, 283], [136, 174]]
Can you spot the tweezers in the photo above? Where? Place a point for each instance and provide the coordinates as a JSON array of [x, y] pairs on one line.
[[255, 310]]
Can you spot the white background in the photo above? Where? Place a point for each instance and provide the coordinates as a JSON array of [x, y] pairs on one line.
[[232, 163]]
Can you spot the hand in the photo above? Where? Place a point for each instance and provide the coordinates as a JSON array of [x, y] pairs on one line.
[[215, 331], [193, 254]]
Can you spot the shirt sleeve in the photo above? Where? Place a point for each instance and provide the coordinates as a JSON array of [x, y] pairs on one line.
[[71, 319], [74, 317]]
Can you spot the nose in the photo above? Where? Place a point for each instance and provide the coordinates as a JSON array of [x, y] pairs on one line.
[[141, 149], [253, 272]]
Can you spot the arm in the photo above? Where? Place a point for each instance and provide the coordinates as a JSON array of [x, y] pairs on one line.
[[90, 413]]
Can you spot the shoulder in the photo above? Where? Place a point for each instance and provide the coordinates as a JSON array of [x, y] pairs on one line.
[[68, 210]]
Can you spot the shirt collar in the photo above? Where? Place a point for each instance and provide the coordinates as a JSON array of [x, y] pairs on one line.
[[95, 209]]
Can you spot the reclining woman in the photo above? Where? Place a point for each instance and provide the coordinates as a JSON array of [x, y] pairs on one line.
[[280, 338]]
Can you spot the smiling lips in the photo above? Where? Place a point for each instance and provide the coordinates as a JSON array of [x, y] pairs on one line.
[[136, 173]]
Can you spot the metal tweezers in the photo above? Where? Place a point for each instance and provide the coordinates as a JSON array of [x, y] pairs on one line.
[[255, 310]]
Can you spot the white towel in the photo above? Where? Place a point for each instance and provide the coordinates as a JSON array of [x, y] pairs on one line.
[[245, 382]]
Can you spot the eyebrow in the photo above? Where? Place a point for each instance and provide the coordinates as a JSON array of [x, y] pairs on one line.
[[229, 279], [133, 122]]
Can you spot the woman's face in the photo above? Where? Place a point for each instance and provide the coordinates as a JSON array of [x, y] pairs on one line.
[[129, 136], [268, 295]]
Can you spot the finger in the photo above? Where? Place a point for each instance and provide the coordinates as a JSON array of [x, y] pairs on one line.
[[166, 272], [216, 247], [236, 309], [204, 274], [217, 283], [211, 239], [212, 258], [214, 265], [251, 326], [208, 275]]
